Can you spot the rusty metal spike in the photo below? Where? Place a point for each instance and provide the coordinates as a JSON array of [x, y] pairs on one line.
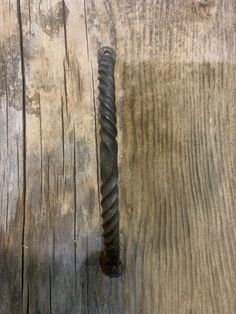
[[110, 257]]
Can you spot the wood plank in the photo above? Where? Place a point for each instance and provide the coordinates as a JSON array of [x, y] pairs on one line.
[[11, 160], [176, 92], [175, 88], [62, 213]]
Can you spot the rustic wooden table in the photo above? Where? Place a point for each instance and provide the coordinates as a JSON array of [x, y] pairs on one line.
[[176, 91]]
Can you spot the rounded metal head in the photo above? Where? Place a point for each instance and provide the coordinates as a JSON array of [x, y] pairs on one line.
[[106, 51]]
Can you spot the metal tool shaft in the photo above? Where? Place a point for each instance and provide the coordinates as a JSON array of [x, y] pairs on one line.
[[110, 258]]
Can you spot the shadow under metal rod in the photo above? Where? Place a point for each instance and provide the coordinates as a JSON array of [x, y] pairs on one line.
[[110, 257]]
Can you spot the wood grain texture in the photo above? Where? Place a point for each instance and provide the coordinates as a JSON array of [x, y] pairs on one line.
[[11, 161], [175, 90]]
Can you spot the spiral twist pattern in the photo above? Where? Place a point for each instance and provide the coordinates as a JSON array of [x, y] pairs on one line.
[[108, 156]]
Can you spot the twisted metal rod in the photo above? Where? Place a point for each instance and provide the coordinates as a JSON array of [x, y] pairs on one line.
[[110, 258]]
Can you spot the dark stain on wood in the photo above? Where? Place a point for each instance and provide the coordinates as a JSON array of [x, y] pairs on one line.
[[33, 104], [11, 262], [205, 9], [10, 63], [82, 155], [53, 21]]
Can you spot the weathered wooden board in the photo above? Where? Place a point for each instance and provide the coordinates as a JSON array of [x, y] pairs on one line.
[[176, 91], [12, 144]]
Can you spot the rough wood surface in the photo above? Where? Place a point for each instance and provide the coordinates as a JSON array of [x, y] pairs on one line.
[[175, 81]]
